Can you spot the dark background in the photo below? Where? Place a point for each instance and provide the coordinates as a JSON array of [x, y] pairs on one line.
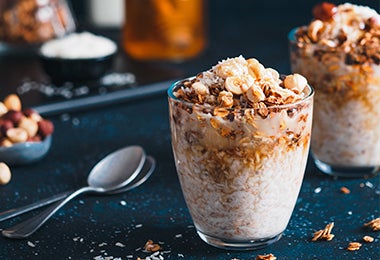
[[156, 210]]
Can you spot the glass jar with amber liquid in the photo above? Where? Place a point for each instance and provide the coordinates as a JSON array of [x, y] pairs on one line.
[[164, 29]]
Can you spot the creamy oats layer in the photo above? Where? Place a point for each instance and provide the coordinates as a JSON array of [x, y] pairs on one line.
[[240, 136], [339, 54]]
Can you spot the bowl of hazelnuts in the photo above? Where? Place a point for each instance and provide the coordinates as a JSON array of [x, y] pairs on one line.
[[25, 136]]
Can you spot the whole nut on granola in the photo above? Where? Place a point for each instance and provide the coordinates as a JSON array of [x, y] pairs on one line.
[[324, 11], [5, 173], [295, 82]]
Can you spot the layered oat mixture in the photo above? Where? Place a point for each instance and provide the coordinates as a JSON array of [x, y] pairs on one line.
[[240, 136], [339, 54]]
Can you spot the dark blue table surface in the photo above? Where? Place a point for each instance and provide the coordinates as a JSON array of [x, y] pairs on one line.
[[120, 225]]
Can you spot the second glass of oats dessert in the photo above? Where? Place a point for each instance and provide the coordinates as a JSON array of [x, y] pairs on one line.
[[339, 54], [240, 137]]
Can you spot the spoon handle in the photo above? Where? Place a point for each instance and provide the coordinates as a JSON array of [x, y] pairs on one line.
[[10, 213], [28, 227]]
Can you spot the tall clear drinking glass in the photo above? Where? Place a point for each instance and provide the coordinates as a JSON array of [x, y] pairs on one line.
[[240, 175]]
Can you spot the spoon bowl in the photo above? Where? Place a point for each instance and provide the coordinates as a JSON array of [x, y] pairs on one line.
[[110, 173]]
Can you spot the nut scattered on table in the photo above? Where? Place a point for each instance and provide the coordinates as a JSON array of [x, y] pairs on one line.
[[373, 224], [150, 246], [345, 190], [19, 125], [266, 257], [353, 246], [368, 239], [5, 173], [324, 234]]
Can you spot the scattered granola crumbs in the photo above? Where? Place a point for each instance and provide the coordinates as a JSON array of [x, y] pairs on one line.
[[150, 246], [353, 246], [324, 234], [266, 257], [119, 244], [102, 244], [31, 244], [361, 185], [373, 224], [345, 190], [155, 256], [368, 239], [317, 190]]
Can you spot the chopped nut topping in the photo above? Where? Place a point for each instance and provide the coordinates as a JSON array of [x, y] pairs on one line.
[[345, 190], [353, 29], [353, 246], [324, 234], [373, 224], [266, 257], [151, 247], [239, 83], [368, 239]]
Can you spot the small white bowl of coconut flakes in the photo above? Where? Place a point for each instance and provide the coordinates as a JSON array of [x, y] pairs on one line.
[[77, 57]]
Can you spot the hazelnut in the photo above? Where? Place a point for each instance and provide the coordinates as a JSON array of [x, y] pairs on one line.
[[5, 125], [31, 113], [5, 142], [17, 135], [12, 102], [45, 128], [5, 173], [234, 85], [324, 11], [29, 125], [14, 116], [295, 82]]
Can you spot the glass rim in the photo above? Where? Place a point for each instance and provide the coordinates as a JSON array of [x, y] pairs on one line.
[[282, 106], [292, 33]]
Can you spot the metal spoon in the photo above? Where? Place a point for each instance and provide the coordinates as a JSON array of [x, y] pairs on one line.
[[143, 175], [110, 174]]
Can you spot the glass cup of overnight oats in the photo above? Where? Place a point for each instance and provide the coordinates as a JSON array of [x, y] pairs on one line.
[[339, 54], [240, 138]]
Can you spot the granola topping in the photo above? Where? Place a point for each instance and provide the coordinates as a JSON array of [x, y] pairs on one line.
[[350, 29], [238, 83]]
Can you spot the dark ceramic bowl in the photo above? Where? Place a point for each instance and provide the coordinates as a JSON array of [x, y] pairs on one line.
[[76, 70], [26, 152]]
